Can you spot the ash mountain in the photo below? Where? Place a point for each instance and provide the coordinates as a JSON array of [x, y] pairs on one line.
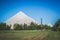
[[20, 18]]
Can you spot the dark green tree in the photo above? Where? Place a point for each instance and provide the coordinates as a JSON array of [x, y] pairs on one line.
[[38, 27], [3, 26], [56, 26], [25, 26], [31, 26], [18, 27], [47, 27]]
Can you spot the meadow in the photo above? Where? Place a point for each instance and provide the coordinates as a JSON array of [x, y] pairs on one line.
[[29, 35]]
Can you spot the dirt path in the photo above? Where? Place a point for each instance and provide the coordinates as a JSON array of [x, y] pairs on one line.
[[40, 36]]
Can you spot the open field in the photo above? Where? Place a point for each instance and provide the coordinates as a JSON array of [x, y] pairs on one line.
[[29, 35]]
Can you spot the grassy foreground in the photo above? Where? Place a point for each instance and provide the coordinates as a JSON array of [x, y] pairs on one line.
[[29, 35]]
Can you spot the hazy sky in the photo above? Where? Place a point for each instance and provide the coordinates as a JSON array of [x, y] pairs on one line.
[[49, 11]]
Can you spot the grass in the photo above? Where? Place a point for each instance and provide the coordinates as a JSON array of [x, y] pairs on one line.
[[29, 35], [53, 36]]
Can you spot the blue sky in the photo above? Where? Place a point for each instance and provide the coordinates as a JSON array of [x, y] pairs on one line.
[[49, 11]]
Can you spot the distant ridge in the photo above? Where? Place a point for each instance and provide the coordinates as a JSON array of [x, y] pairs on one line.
[[20, 18]]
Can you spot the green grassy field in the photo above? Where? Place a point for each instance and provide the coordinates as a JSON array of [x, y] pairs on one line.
[[29, 35]]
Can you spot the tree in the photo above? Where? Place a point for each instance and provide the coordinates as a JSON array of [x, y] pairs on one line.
[[3, 26], [25, 26], [47, 27], [56, 26], [38, 27], [31, 26], [18, 27]]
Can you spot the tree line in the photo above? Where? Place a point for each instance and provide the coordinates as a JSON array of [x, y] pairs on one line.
[[32, 26]]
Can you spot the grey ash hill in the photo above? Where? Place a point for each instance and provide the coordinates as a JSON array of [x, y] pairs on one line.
[[20, 18]]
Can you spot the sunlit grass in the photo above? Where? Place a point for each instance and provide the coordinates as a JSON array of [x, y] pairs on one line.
[[29, 35]]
